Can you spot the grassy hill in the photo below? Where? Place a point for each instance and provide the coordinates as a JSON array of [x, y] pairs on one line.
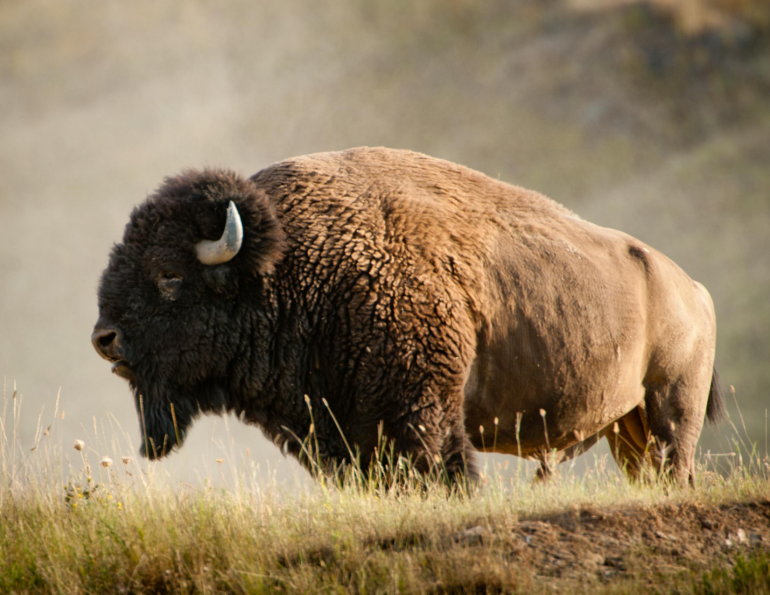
[[93, 519], [118, 533]]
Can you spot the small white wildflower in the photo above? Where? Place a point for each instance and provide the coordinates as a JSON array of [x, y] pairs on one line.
[[126, 460], [106, 462], [79, 444]]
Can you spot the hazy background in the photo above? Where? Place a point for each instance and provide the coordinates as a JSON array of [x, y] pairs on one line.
[[651, 119]]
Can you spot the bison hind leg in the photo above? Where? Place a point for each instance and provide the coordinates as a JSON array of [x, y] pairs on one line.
[[675, 413], [628, 443]]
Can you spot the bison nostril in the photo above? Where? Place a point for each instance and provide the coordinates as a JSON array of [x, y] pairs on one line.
[[107, 343], [106, 339]]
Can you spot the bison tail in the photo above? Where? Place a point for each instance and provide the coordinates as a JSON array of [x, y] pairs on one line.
[[715, 408]]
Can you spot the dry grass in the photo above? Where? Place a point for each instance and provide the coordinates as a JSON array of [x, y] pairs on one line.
[[107, 522]]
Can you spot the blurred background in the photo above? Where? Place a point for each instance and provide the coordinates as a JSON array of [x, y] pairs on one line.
[[650, 117]]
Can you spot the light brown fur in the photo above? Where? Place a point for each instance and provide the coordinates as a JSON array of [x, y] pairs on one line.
[[498, 301]]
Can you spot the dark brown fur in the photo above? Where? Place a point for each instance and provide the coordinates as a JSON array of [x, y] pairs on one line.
[[413, 292]]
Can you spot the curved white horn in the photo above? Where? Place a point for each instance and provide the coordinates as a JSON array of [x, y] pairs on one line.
[[225, 248]]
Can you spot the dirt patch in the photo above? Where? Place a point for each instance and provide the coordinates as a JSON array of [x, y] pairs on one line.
[[638, 544]]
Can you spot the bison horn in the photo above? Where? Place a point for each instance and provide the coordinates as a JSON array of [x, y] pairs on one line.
[[225, 248]]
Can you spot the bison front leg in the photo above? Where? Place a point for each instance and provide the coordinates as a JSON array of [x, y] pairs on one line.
[[429, 354], [435, 440]]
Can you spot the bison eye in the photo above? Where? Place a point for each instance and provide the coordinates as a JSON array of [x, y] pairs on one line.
[[169, 286]]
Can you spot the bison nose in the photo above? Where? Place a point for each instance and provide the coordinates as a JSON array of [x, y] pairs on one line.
[[107, 343]]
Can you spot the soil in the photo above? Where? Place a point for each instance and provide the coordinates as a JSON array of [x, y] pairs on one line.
[[635, 544]]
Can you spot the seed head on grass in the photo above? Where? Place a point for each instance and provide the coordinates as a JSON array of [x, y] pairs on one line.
[[545, 430], [126, 460], [79, 445], [616, 431], [106, 462]]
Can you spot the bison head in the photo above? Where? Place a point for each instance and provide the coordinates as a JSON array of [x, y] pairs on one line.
[[177, 298]]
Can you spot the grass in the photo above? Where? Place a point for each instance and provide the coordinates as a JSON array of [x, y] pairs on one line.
[[749, 575], [119, 524]]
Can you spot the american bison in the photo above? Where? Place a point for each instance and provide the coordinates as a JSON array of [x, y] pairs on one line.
[[415, 296]]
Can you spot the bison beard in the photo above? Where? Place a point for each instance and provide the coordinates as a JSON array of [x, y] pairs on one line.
[[409, 294], [163, 426], [164, 423]]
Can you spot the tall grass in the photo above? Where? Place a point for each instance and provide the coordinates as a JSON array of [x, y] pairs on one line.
[[91, 517]]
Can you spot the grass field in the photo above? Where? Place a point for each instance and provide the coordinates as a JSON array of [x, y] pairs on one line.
[[122, 525]]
